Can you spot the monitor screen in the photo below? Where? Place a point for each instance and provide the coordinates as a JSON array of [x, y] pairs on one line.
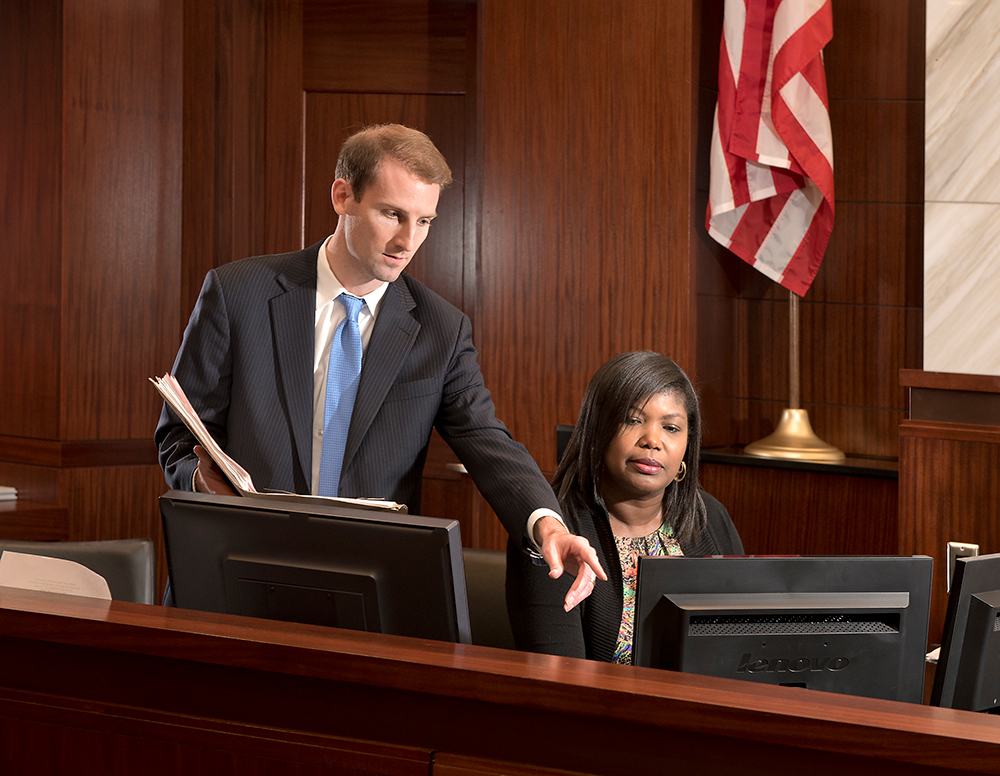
[[848, 624], [369, 570], [968, 670]]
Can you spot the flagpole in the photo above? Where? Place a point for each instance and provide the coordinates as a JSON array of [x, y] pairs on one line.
[[794, 438]]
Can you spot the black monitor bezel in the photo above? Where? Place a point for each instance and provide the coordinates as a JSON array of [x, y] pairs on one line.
[[791, 574], [191, 565], [972, 576]]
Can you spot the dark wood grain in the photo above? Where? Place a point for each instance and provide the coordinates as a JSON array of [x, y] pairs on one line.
[[889, 36], [187, 677], [28, 521], [394, 46], [781, 512], [879, 150], [30, 157], [121, 188], [587, 176], [947, 493]]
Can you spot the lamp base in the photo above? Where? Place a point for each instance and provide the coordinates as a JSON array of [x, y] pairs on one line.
[[795, 440]]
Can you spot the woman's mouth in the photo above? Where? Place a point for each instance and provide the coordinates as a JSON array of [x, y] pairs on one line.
[[647, 465]]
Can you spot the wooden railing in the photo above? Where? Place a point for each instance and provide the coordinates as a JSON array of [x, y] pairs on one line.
[[156, 690]]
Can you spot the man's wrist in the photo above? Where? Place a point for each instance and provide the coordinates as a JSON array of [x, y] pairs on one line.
[[533, 521]]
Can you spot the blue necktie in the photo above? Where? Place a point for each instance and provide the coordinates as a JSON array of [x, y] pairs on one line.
[[342, 377]]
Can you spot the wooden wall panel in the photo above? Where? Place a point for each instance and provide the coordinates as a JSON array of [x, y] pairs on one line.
[[787, 512], [394, 46], [948, 494], [94, 234], [121, 213], [587, 182], [30, 165]]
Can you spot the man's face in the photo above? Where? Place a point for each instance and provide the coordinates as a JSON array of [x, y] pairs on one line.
[[382, 231]]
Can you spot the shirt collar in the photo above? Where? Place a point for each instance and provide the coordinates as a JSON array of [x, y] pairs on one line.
[[329, 288]]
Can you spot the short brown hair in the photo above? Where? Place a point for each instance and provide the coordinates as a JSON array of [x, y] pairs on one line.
[[362, 155]]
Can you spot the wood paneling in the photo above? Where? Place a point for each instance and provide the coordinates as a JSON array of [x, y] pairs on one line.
[[587, 181], [804, 511], [26, 521], [393, 46], [947, 494], [879, 147], [888, 35], [91, 156], [217, 690], [121, 188], [30, 163], [893, 234]]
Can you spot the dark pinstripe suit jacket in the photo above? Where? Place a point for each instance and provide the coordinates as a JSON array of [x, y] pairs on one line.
[[246, 365]]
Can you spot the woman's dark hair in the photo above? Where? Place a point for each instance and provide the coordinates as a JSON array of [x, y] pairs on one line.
[[625, 382]]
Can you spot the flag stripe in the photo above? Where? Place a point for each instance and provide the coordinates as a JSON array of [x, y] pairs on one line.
[[771, 193]]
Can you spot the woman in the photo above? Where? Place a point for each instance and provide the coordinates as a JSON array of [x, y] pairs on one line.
[[628, 482]]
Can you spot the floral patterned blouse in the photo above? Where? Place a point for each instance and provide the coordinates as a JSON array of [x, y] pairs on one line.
[[661, 542]]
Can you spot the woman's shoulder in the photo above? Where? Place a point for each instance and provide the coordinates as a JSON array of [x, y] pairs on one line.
[[712, 504], [720, 528]]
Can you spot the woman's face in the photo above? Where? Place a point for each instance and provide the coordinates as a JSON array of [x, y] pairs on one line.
[[645, 455]]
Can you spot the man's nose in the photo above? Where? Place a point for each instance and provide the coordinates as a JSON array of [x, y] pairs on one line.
[[406, 237]]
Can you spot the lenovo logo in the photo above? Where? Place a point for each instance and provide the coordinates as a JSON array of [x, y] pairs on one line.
[[791, 665]]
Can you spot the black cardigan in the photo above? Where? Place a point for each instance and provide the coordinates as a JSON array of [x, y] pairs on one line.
[[590, 630]]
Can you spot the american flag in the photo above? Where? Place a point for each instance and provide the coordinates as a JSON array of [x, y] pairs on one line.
[[771, 191]]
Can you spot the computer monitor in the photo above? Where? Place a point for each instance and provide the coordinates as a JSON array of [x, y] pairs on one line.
[[967, 675], [370, 570], [848, 624]]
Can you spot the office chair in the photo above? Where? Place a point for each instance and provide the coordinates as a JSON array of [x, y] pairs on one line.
[[485, 581], [128, 565]]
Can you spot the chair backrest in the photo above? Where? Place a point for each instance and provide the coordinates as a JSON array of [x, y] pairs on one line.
[[485, 581], [128, 565]]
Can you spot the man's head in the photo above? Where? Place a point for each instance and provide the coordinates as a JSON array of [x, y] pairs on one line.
[[363, 153], [388, 182]]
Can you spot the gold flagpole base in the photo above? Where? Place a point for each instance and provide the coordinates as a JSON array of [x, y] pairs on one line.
[[795, 440]]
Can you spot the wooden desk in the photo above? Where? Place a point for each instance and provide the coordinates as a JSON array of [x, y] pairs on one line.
[[85, 683]]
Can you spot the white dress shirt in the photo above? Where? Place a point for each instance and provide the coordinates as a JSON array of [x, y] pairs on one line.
[[329, 313]]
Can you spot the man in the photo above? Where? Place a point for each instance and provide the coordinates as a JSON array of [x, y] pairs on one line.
[[255, 363]]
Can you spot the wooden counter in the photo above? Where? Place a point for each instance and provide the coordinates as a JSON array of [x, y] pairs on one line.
[[85, 683]]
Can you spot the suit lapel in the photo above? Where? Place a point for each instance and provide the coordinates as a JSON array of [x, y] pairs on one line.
[[293, 314], [392, 339]]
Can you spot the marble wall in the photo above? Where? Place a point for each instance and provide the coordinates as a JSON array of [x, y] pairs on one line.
[[962, 188]]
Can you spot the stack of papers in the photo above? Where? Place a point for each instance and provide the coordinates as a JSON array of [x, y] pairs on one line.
[[7, 493], [238, 477]]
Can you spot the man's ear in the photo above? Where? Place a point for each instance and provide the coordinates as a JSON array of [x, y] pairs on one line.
[[342, 195]]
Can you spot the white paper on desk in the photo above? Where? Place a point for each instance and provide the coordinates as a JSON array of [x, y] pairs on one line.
[[51, 575]]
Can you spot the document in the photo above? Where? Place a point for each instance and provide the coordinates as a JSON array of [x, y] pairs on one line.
[[238, 477], [51, 575]]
